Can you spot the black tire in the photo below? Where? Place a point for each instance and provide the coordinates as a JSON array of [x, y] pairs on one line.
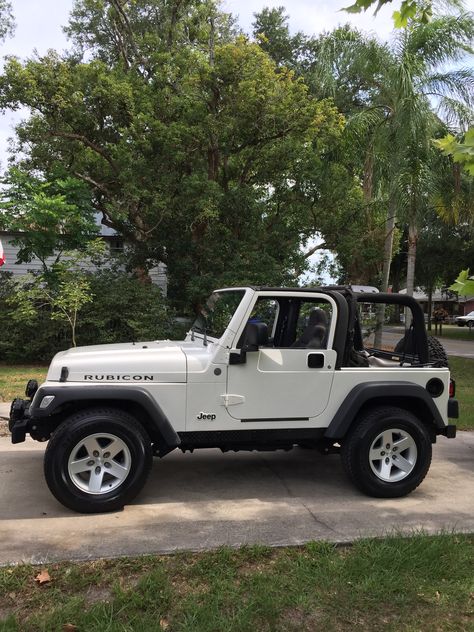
[[85, 424], [461, 324], [436, 352], [356, 448]]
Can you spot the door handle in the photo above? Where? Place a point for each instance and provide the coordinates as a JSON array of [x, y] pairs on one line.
[[316, 360]]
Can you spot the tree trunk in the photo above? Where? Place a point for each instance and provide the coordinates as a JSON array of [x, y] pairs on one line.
[[430, 306], [367, 185], [387, 260], [411, 259]]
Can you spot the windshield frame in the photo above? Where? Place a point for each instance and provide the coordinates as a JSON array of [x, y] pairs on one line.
[[202, 324]]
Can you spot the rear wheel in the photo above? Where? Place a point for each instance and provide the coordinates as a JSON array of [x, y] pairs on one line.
[[97, 460], [387, 454]]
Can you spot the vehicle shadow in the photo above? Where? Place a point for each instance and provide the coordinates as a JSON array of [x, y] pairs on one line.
[[205, 475], [210, 476]]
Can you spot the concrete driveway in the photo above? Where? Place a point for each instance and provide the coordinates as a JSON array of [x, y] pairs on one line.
[[207, 499]]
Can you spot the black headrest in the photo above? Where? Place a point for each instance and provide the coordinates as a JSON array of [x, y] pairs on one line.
[[317, 316]]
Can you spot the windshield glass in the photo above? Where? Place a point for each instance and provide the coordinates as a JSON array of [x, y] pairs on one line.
[[216, 314]]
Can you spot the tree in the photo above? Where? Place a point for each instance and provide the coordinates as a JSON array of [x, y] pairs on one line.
[[461, 152], [421, 10], [271, 30], [422, 50], [464, 284], [346, 67], [64, 291], [401, 124], [190, 141], [442, 250], [7, 21], [47, 217]]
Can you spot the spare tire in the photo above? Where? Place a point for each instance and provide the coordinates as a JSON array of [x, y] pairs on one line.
[[436, 352]]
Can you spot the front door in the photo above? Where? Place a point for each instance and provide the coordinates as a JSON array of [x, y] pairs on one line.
[[288, 384]]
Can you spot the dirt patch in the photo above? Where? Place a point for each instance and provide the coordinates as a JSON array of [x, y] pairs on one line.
[[298, 619], [95, 594]]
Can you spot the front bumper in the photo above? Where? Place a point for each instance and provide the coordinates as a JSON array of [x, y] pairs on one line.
[[19, 422]]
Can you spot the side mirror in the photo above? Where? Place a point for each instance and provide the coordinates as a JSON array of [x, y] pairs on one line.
[[255, 335]]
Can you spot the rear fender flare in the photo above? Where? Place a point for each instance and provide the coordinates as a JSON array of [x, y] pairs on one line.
[[403, 394]]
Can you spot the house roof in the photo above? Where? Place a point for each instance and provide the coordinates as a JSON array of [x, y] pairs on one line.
[[438, 296]]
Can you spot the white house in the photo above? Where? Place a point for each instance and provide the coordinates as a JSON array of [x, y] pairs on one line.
[[157, 274]]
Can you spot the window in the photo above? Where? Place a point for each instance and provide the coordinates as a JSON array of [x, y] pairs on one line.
[[217, 313], [266, 311], [385, 329], [313, 324]]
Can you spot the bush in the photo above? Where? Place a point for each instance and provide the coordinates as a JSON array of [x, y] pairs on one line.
[[35, 340], [122, 310]]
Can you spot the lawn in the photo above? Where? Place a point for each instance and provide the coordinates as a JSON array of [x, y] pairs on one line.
[[417, 583], [13, 380], [453, 332], [462, 370]]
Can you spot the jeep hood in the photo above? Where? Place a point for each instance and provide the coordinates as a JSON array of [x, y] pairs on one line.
[[127, 363]]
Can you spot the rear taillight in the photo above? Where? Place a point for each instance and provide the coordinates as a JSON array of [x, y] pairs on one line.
[[452, 388]]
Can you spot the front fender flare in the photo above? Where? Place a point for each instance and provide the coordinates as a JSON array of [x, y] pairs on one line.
[[403, 394], [67, 394]]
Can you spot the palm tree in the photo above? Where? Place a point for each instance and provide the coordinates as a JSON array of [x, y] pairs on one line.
[[419, 91], [414, 86]]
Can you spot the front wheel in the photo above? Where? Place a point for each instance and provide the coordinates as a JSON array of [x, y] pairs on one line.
[[97, 460], [387, 454]]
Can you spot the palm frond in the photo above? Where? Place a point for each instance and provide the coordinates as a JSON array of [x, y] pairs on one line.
[[456, 114], [458, 84], [443, 40]]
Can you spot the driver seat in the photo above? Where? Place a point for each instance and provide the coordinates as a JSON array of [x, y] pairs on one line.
[[314, 334]]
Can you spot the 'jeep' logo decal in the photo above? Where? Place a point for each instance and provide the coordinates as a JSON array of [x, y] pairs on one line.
[[119, 378], [209, 416]]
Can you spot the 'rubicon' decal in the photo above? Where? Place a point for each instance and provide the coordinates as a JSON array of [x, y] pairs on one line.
[[118, 378]]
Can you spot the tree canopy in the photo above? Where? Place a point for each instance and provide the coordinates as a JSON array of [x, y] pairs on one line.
[[233, 158]]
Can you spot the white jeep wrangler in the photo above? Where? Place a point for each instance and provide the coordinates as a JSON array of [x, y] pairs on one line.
[[260, 369]]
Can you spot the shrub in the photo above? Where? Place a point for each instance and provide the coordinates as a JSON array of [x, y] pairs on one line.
[[122, 310]]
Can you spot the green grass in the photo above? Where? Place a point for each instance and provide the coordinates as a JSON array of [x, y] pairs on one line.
[[13, 380], [453, 332], [462, 370], [417, 583]]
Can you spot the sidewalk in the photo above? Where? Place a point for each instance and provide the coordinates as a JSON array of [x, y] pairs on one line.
[[5, 410]]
